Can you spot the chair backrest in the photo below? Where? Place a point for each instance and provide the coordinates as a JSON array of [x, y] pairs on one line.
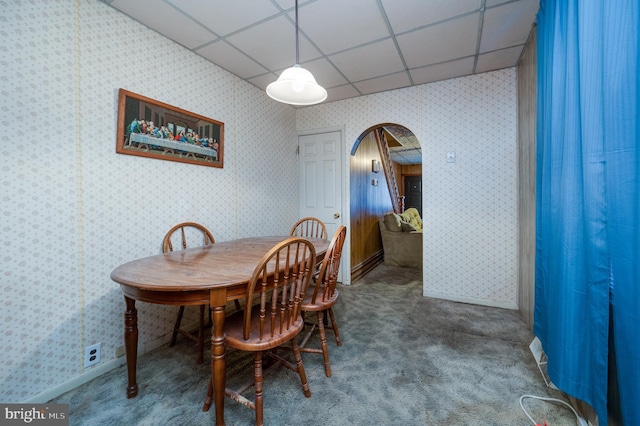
[[280, 279], [167, 245], [327, 278], [309, 227]]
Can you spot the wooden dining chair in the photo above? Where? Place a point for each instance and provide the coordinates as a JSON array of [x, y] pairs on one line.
[[322, 296], [183, 231], [309, 227], [278, 285]]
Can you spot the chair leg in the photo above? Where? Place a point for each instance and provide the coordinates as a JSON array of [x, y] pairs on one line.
[[323, 344], [201, 336], [258, 387], [208, 400], [176, 327], [198, 338], [303, 376], [334, 326]]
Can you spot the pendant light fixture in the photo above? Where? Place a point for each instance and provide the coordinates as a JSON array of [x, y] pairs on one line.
[[296, 85]]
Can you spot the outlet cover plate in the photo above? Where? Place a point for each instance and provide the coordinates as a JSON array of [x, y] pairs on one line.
[[92, 355]]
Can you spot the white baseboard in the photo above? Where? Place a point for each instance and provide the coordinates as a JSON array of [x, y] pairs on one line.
[[471, 300], [96, 371], [88, 375]]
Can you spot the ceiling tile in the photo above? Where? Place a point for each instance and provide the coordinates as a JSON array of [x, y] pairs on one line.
[[223, 17], [508, 25], [325, 73], [498, 59], [443, 71], [273, 44], [387, 82], [262, 81], [346, 44], [229, 58], [368, 61], [439, 43], [159, 20], [331, 24], [289, 4], [408, 15], [491, 3], [342, 92]]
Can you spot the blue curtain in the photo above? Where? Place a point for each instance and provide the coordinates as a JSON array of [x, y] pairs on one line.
[[588, 199]]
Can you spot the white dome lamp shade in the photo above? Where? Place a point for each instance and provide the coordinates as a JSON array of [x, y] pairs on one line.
[[296, 85]]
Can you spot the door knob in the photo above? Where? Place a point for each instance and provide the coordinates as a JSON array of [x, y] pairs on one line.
[[336, 215]]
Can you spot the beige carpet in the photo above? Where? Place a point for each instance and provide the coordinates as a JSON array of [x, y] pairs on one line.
[[405, 360]]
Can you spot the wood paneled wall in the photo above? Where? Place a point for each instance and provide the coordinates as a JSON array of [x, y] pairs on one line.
[[412, 169], [526, 74], [369, 204]]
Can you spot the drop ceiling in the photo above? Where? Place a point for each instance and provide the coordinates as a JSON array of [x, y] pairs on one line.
[[404, 147], [353, 47]]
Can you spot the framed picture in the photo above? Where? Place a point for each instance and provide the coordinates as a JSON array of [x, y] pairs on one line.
[[150, 128]]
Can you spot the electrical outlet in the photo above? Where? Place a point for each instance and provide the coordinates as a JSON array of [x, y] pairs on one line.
[[92, 355]]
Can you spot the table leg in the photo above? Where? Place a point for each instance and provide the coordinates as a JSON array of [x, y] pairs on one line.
[[131, 345], [217, 383]]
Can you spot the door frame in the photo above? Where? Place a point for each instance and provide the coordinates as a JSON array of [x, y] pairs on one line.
[[345, 214]]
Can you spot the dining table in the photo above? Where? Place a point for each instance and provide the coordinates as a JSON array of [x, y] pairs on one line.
[[213, 275]]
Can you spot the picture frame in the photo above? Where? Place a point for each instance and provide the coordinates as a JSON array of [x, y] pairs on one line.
[[154, 129]]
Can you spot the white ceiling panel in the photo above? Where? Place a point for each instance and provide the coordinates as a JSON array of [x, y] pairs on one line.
[[342, 92], [497, 59], [491, 3], [504, 28], [387, 82], [272, 44], [230, 58], [353, 47], [222, 17], [163, 13], [262, 81], [337, 25], [439, 43], [324, 71], [373, 60], [414, 14], [443, 71]]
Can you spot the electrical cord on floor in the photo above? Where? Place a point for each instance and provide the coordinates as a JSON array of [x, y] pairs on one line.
[[579, 420]]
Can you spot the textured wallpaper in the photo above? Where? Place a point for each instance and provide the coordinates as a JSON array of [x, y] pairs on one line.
[[73, 210], [470, 206]]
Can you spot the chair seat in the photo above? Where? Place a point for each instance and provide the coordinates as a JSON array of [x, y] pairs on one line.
[[234, 327], [320, 305]]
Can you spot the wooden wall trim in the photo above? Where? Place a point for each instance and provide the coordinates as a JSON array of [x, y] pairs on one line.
[[365, 267]]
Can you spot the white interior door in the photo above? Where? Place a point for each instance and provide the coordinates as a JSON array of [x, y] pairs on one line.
[[320, 171]]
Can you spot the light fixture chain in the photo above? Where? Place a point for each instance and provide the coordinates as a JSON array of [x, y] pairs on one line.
[[297, 43], [296, 85]]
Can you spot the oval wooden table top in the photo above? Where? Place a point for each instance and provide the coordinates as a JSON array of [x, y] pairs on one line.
[[223, 264]]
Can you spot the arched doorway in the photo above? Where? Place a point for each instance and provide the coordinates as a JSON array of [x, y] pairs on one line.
[[372, 195]]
